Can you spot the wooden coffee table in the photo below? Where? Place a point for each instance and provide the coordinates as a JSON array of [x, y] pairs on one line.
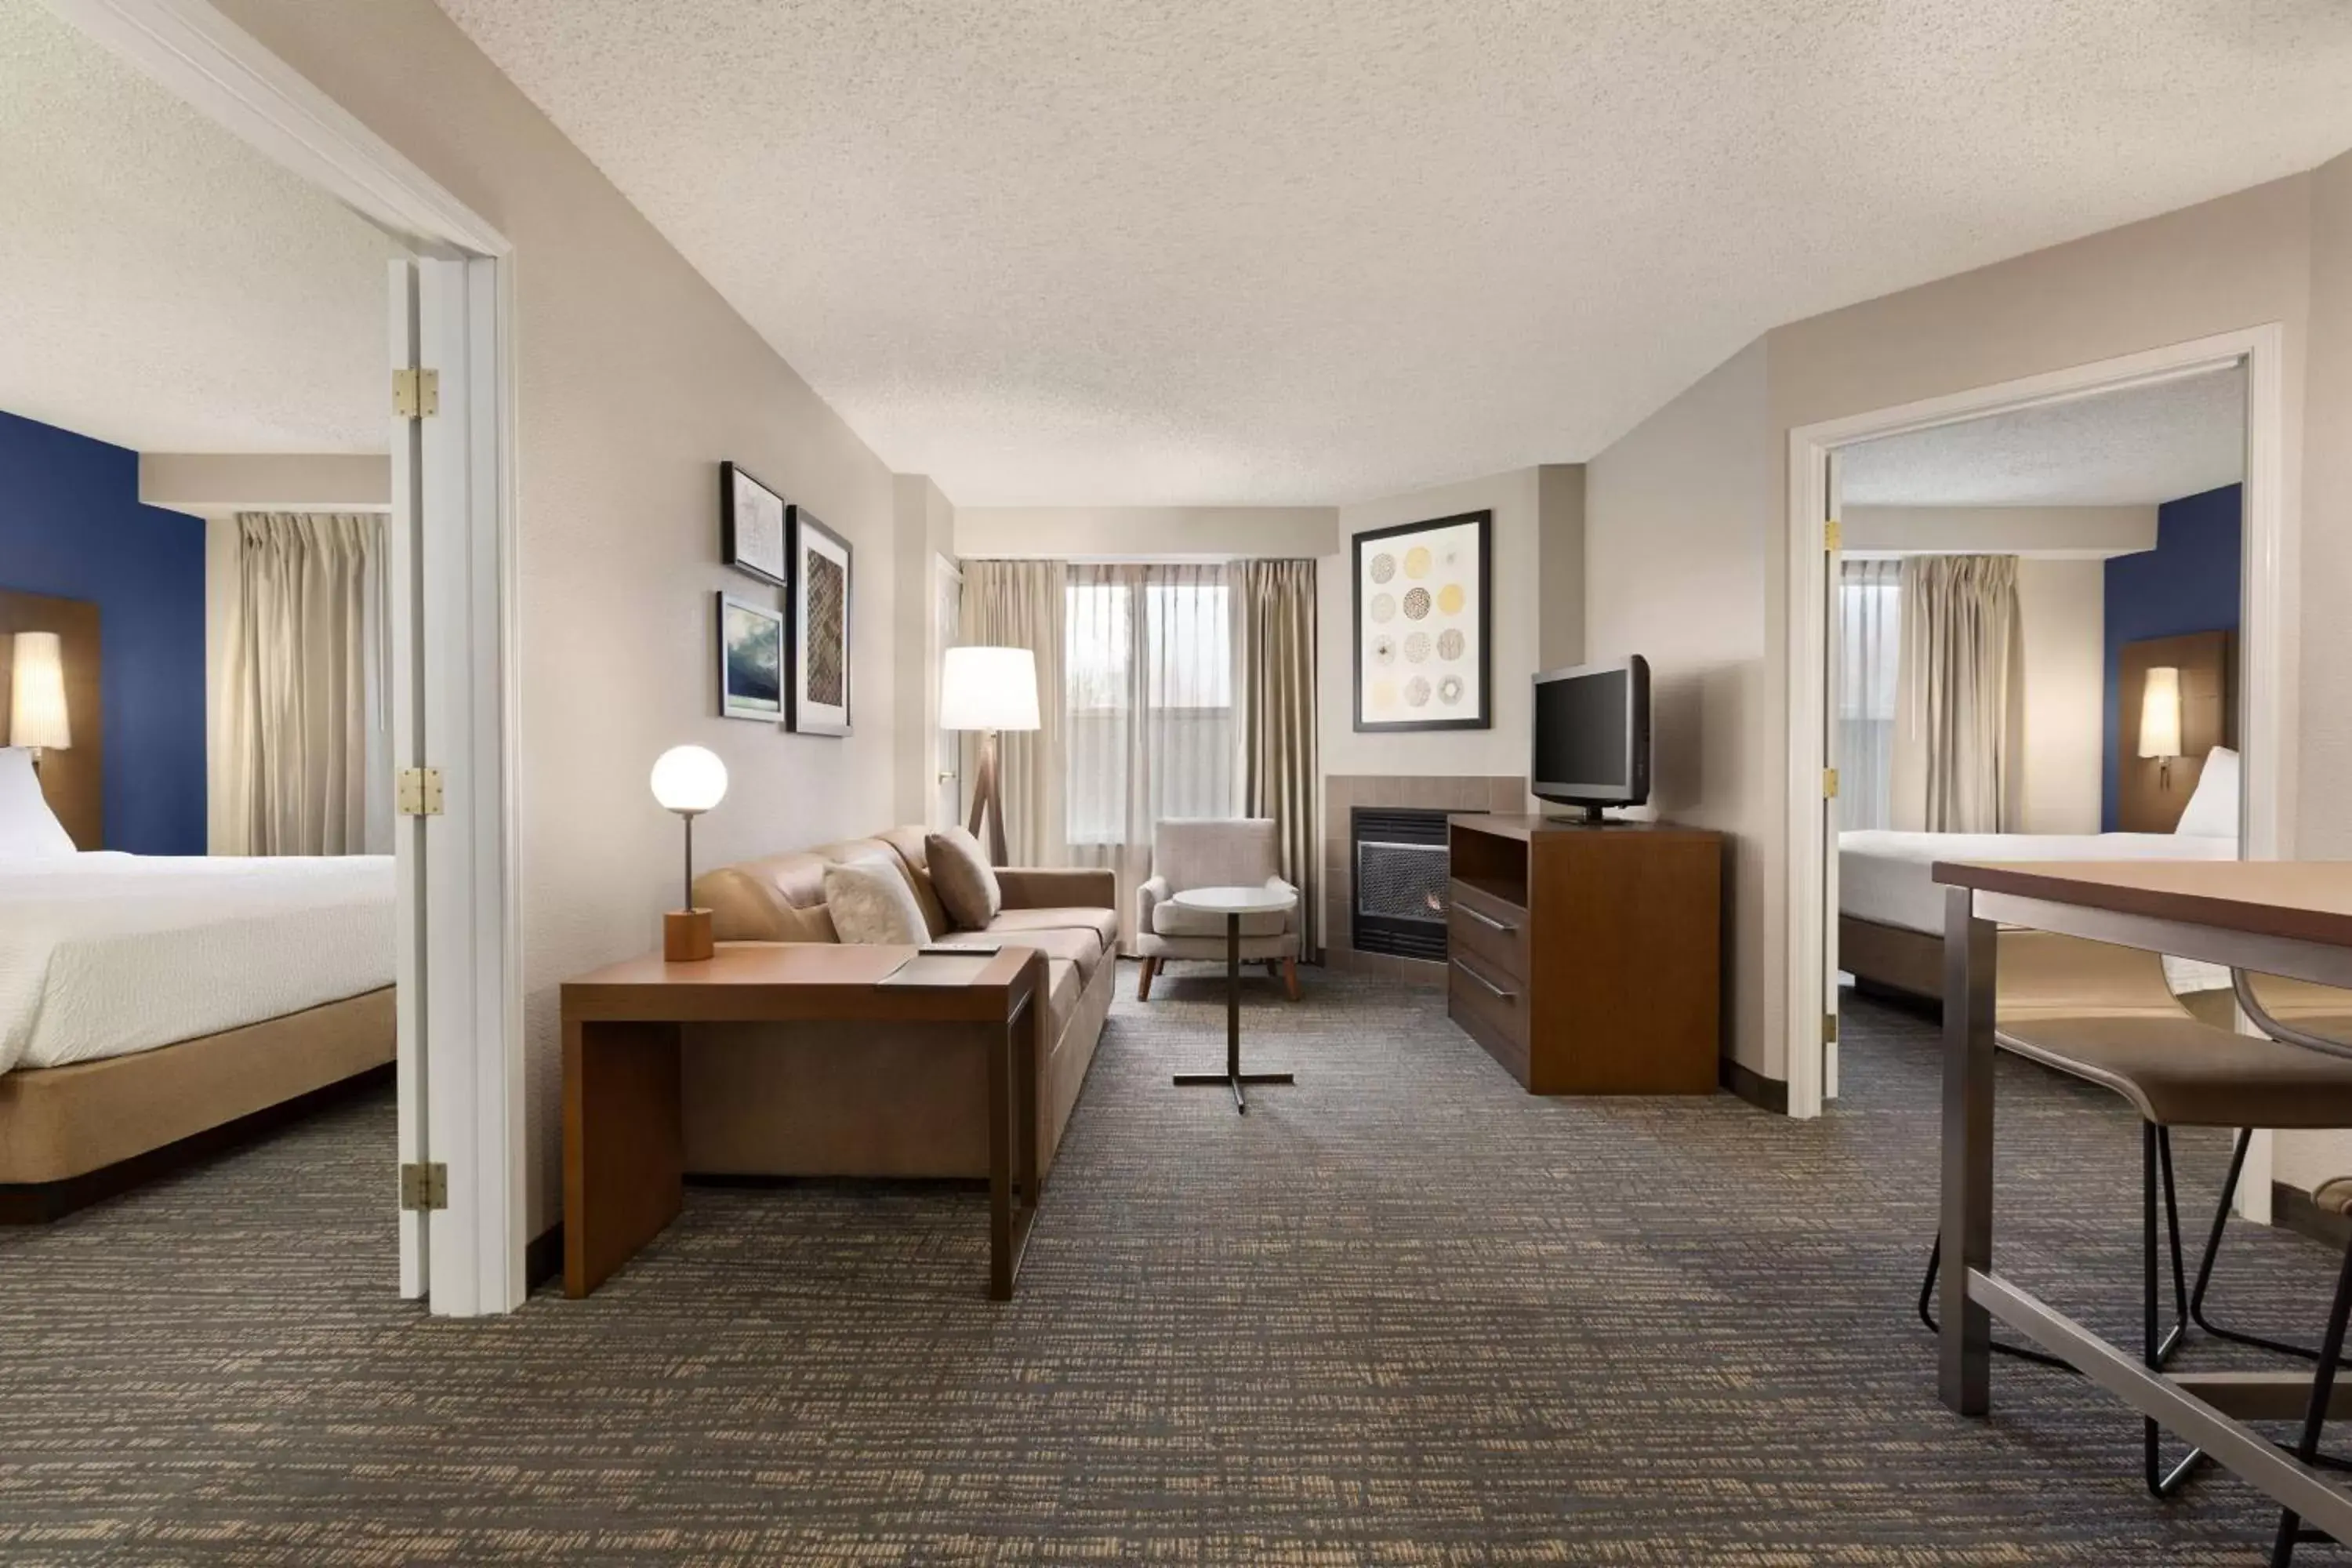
[[623, 1162], [1233, 903]]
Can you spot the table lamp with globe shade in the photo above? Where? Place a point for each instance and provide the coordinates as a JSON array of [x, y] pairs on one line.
[[690, 781]]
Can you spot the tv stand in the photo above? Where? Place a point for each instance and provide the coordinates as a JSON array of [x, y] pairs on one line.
[[1586, 956], [1584, 817]]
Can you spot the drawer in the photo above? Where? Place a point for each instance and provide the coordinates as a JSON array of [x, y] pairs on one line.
[[1491, 933], [1492, 1009]]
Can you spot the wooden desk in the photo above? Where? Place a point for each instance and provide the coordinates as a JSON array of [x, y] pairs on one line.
[[624, 1167], [2290, 919]]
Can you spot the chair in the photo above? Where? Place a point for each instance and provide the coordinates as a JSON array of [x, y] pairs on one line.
[[2178, 1072], [1212, 852]]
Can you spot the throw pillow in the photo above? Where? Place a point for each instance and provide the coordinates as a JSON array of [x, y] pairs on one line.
[[873, 904], [963, 879]]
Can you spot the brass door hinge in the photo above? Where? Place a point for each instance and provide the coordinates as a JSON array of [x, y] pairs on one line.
[[418, 793], [425, 1186], [416, 394], [1829, 1029], [1830, 534], [1829, 783]]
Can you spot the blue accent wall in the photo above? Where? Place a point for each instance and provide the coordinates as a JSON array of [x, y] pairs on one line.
[[2188, 583], [71, 525]]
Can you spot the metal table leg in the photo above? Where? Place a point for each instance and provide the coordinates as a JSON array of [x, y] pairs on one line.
[[1232, 1076]]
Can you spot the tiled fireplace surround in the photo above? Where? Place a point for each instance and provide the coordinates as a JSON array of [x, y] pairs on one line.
[[1343, 791]]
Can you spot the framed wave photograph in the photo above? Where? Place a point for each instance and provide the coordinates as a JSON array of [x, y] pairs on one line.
[[819, 634], [750, 660], [1423, 620], [752, 526]]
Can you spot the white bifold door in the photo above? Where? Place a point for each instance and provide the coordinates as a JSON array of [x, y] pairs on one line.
[[460, 1095]]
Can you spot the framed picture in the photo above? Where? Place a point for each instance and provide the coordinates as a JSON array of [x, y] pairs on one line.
[[750, 660], [751, 526], [819, 600], [1424, 654]]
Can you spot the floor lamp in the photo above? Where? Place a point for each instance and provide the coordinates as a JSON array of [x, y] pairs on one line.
[[988, 690]]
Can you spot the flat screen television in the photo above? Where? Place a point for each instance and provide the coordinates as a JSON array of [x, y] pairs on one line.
[[1592, 735]]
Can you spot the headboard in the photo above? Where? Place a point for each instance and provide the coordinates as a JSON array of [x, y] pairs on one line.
[[73, 779], [2208, 662]]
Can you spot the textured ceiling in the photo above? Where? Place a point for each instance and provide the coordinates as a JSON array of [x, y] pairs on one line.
[[166, 287], [2123, 448], [1285, 251]]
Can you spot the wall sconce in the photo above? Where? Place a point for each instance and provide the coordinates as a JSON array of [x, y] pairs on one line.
[[2159, 719], [36, 695]]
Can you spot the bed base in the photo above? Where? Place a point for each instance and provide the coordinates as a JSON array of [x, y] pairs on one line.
[[2042, 975], [71, 1136]]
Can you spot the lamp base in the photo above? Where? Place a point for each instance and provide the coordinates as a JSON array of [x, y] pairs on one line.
[[685, 936]]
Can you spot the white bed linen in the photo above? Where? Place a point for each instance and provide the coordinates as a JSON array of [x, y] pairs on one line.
[[107, 954], [1886, 877]]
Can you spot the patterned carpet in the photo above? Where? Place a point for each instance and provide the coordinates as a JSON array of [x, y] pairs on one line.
[[1401, 1314]]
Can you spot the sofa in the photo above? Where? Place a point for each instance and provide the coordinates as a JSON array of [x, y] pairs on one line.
[[770, 1099]]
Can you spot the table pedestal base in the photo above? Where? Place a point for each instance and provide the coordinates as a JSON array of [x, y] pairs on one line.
[[1232, 1076]]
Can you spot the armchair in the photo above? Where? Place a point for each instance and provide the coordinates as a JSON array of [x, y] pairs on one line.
[[1212, 852]]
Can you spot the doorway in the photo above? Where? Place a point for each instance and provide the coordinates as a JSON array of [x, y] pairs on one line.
[[448, 392], [1819, 455]]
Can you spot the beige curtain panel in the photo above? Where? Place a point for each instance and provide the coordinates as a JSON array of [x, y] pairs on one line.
[[1018, 604], [1958, 747], [1279, 723], [305, 744]]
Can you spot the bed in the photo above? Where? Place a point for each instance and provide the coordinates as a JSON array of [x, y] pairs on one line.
[[150, 1004], [1890, 911]]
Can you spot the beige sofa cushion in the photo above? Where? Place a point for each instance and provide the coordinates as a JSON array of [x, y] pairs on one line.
[[962, 878], [1174, 919], [872, 904], [1104, 923], [781, 897], [1067, 944]]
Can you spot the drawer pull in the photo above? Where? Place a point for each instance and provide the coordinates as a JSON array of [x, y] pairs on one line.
[[1498, 991], [1484, 918]]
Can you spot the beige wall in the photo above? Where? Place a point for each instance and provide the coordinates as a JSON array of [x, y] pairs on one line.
[[1516, 578], [925, 537], [633, 380], [2089, 532], [1282, 532], [217, 484], [1677, 517], [2062, 611], [1560, 512]]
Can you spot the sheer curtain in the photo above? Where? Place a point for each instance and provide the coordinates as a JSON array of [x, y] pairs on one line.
[[1018, 604], [1279, 722], [1870, 605], [1958, 748], [1151, 723], [305, 746]]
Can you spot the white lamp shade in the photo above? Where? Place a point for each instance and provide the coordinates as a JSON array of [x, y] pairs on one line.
[[2159, 714], [988, 689], [689, 779], [36, 694]]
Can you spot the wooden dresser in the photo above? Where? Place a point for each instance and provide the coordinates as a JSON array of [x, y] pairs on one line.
[[1587, 959]]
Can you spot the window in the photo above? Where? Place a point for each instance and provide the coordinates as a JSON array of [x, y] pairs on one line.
[[1148, 692], [1869, 611]]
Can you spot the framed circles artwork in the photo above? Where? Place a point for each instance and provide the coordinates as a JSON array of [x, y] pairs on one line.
[[750, 660], [820, 636], [1423, 619], [751, 526]]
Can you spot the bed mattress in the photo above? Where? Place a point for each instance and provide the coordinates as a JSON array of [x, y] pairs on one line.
[[107, 954], [1888, 877]]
